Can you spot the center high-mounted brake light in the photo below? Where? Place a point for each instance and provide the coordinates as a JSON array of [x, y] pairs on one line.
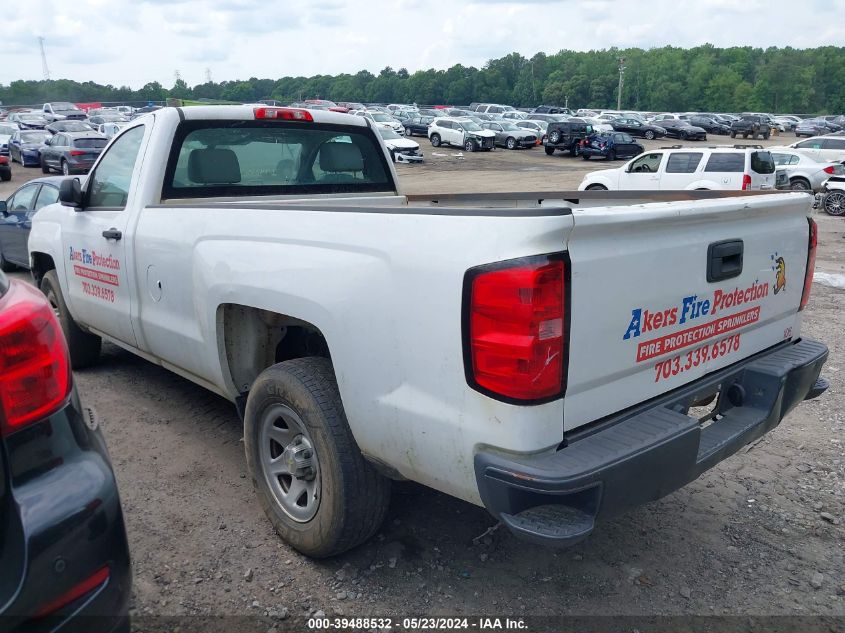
[[283, 114], [515, 329], [811, 263], [34, 364]]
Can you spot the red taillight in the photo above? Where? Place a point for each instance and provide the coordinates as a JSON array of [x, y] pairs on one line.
[[283, 114], [77, 591], [811, 263], [829, 169], [36, 378], [746, 182], [77, 152], [514, 328]]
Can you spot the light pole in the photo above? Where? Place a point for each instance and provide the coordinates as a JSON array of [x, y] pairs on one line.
[[621, 81]]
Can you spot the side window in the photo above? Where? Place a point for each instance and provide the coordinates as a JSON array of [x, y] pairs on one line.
[[47, 195], [727, 162], [683, 162], [810, 145], [108, 186], [834, 143], [23, 199], [646, 164]]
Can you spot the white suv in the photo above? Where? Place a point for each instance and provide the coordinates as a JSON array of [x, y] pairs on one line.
[[461, 133], [737, 167]]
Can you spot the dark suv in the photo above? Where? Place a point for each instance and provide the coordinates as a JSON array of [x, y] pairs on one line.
[[567, 136], [64, 557], [753, 125]]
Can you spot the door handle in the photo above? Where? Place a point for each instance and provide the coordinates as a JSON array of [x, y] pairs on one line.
[[724, 260], [112, 234]]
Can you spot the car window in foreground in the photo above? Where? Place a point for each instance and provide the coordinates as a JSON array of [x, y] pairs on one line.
[[762, 162], [243, 158]]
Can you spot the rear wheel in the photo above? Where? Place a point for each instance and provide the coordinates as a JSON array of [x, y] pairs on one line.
[[649, 135], [5, 265], [611, 155], [83, 346], [575, 150], [316, 488], [435, 140], [596, 188], [585, 156], [799, 184], [44, 168], [549, 150], [65, 168], [733, 134], [408, 132], [834, 203], [683, 135]]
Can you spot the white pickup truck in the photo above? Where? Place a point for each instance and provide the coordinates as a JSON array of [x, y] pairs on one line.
[[541, 355]]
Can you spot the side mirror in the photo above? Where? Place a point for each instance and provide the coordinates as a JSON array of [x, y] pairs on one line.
[[70, 193], [3, 208]]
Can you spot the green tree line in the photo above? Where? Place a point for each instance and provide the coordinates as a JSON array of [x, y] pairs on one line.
[[783, 80]]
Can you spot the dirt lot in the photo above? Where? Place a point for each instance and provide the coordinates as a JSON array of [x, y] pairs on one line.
[[761, 534]]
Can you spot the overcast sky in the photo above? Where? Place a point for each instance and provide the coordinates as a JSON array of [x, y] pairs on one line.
[[132, 42]]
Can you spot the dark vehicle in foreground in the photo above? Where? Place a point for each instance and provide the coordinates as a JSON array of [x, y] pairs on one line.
[[753, 125], [684, 130], [25, 146], [710, 125], [510, 135], [566, 136], [638, 128], [5, 169], [71, 125], [611, 146], [16, 219], [72, 152], [417, 125], [64, 555]]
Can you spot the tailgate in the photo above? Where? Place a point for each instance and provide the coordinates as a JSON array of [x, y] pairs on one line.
[[645, 319]]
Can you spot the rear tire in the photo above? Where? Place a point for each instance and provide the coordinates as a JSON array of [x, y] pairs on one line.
[[649, 135], [5, 265], [435, 140], [611, 155], [44, 168], [65, 168], [83, 346], [5, 175], [834, 203], [350, 496], [733, 134], [799, 184], [549, 150], [408, 132]]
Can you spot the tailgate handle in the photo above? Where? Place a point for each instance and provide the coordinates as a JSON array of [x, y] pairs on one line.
[[724, 260]]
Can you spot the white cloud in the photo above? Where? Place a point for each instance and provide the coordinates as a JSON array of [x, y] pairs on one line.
[[137, 41]]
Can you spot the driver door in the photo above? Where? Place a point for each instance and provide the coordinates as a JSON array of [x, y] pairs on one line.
[[100, 288], [642, 173], [13, 233]]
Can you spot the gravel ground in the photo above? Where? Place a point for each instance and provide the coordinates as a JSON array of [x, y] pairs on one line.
[[760, 534]]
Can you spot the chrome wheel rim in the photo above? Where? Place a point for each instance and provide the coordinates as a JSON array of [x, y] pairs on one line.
[[834, 203], [289, 463]]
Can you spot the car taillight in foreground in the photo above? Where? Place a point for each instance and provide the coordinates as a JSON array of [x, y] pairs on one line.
[[34, 364], [74, 593], [746, 182], [830, 169], [515, 328], [283, 114], [77, 152], [811, 263]]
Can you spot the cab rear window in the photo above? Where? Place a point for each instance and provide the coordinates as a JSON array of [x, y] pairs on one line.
[[260, 158]]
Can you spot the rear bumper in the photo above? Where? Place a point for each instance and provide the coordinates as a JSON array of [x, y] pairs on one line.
[[648, 452], [70, 525]]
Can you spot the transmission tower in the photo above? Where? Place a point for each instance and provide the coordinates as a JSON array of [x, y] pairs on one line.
[[44, 68], [208, 75]]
